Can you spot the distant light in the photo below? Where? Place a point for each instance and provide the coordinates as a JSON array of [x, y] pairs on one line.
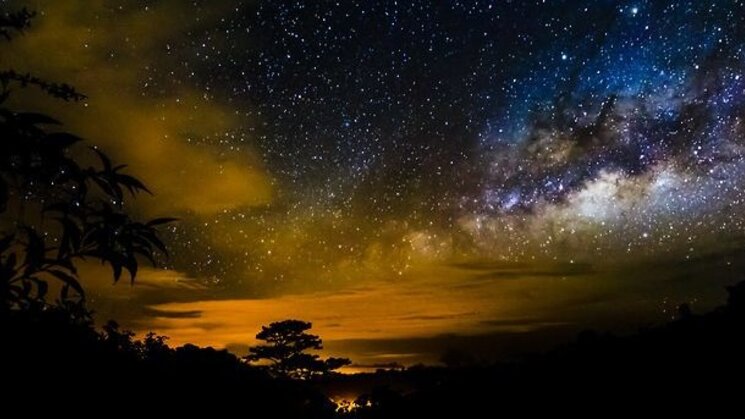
[[564, 56], [634, 10]]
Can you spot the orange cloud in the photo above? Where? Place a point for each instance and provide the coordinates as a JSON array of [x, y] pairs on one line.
[[169, 136], [425, 304]]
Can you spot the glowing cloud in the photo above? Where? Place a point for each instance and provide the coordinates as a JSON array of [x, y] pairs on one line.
[[168, 133]]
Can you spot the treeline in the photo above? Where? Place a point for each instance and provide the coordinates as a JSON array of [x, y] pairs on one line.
[[695, 361], [52, 362]]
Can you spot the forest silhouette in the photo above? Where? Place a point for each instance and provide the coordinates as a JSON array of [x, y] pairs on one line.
[[56, 211]]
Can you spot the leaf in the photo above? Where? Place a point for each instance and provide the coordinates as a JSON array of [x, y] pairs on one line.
[[104, 159], [109, 186], [35, 250], [132, 268], [150, 236], [146, 253], [158, 221], [117, 268], [68, 280], [71, 237], [132, 183], [42, 287], [5, 242], [33, 118], [10, 262], [104, 185], [66, 263], [27, 287], [63, 139]]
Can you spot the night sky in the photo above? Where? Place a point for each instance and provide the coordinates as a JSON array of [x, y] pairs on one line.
[[412, 176]]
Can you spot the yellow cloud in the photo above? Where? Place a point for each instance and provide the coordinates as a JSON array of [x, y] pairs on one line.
[[168, 137], [424, 303]]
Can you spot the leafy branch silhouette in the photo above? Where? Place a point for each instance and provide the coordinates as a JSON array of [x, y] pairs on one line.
[[54, 210]]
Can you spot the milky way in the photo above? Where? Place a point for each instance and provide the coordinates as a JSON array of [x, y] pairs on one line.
[[469, 126]]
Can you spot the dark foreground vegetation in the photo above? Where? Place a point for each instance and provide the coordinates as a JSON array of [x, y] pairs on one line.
[[55, 360], [695, 361], [55, 363]]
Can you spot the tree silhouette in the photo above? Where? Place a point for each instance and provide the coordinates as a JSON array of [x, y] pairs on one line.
[[285, 351], [54, 210]]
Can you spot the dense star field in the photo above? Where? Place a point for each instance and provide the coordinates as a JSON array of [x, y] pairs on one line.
[[400, 171], [464, 125]]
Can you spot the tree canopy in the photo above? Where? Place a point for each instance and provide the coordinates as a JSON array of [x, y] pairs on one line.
[[285, 351]]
